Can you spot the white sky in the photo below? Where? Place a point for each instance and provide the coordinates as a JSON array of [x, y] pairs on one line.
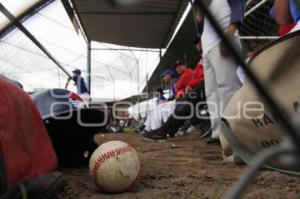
[[115, 74]]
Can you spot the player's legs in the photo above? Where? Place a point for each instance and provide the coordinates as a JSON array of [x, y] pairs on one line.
[[167, 109], [154, 119], [226, 80], [212, 96], [185, 109]]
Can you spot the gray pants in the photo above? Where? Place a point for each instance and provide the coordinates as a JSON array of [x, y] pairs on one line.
[[221, 82]]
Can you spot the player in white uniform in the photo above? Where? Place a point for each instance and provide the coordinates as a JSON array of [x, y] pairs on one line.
[[221, 81]]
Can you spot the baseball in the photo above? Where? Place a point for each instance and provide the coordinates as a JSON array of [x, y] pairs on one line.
[[114, 167]]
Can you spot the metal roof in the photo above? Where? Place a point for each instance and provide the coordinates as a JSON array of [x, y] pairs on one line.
[[145, 24], [181, 47]]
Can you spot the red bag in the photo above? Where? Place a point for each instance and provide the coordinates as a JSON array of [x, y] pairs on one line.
[[25, 147]]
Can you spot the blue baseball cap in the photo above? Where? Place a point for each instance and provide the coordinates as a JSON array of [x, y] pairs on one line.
[[168, 72], [77, 71]]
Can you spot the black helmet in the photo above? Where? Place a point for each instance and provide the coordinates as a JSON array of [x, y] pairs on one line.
[[70, 124]]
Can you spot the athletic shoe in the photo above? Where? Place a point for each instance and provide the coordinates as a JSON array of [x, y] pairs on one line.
[[154, 136], [206, 131], [141, 128], [211, 140], [179, 133], [183, 129], [143, 131]]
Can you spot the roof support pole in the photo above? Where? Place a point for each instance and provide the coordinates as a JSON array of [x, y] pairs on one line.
[[89, 65], [15, 21], [160, 70]]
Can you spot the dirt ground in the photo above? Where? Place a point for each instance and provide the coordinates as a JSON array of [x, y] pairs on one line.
[[191, 170]]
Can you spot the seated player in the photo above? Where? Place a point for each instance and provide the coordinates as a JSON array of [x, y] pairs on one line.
[[159, 94], [186, 74], [193, 93], [198, 73], [169, 77], [162, 112], [198, 77], [156, 117]]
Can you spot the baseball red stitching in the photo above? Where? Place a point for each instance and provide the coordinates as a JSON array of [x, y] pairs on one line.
[[105, 156]]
